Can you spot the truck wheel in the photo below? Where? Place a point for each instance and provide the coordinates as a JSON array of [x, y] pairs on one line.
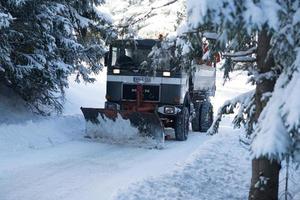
[[196, 119], [182, 125], [206, 116]]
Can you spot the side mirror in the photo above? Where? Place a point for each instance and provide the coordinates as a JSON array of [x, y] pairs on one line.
[[106, 59]]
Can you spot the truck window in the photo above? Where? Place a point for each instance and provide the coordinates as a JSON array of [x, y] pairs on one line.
[[129, 57], [121, 57], [141, 55]]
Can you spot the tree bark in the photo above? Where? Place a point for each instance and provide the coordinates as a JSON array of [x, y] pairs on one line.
[[265, 173], [264, 169]]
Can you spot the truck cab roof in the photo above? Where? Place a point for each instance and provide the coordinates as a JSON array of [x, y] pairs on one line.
[[139, 43]]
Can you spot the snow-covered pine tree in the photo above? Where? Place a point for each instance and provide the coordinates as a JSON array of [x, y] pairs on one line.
[[185, 49], [44, 41], [5, 20], [146, 18], [271, 112], [162, 54]]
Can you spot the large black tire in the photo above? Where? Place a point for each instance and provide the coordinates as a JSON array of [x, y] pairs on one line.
[[206, 116], [196, 119], [182, 125]]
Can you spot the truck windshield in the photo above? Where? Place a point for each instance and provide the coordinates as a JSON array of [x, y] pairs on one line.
[[129, 57]]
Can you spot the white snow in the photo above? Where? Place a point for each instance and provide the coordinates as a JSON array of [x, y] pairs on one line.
[[277, 131], [5, 19], [210, 35], [186, 49], [85, 95], [50, 159], [113, 129], [218, 169], [264, 12], [272, 137], [40, 133], [217, 11], [159, 21]]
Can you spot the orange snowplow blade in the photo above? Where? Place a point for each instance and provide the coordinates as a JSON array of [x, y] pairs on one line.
[[147, 124]]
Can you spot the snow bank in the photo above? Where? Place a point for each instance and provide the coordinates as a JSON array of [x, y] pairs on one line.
[[20, 129], [40, 133]]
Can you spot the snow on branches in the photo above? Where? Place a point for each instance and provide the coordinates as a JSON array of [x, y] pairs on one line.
[[236, 14], [237, 24], [146, 18], [162, 55], [244, 104], [5, 19], [45, 42], [278, 126]]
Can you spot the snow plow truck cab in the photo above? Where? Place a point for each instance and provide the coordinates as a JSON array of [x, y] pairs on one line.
[[151, 101]]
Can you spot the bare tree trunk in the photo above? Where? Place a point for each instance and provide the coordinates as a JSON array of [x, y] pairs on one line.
[[265, 173]]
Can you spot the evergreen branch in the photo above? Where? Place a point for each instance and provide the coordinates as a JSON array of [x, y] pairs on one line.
[[244, 59], [145, 16], [241, 53], [245, 102]]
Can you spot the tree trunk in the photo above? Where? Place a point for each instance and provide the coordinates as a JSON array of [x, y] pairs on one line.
[[265, 173], [264, 170]]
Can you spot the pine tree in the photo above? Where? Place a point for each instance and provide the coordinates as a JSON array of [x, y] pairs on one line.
[[43, 42], [265, 36], [5, 20]]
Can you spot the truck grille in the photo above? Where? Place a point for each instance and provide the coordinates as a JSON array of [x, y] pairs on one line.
[[150, 92]]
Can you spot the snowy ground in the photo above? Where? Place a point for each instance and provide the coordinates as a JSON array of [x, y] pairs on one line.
[[45, 159], [218, 169]]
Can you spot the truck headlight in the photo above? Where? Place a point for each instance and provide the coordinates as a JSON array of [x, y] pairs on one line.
[[169, 110], [166, 73], [116, 71]]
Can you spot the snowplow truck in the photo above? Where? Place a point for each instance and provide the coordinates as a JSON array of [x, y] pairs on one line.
[[153, 101]]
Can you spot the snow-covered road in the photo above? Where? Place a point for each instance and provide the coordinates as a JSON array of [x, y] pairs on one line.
[[83, 169], [49, 159]]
